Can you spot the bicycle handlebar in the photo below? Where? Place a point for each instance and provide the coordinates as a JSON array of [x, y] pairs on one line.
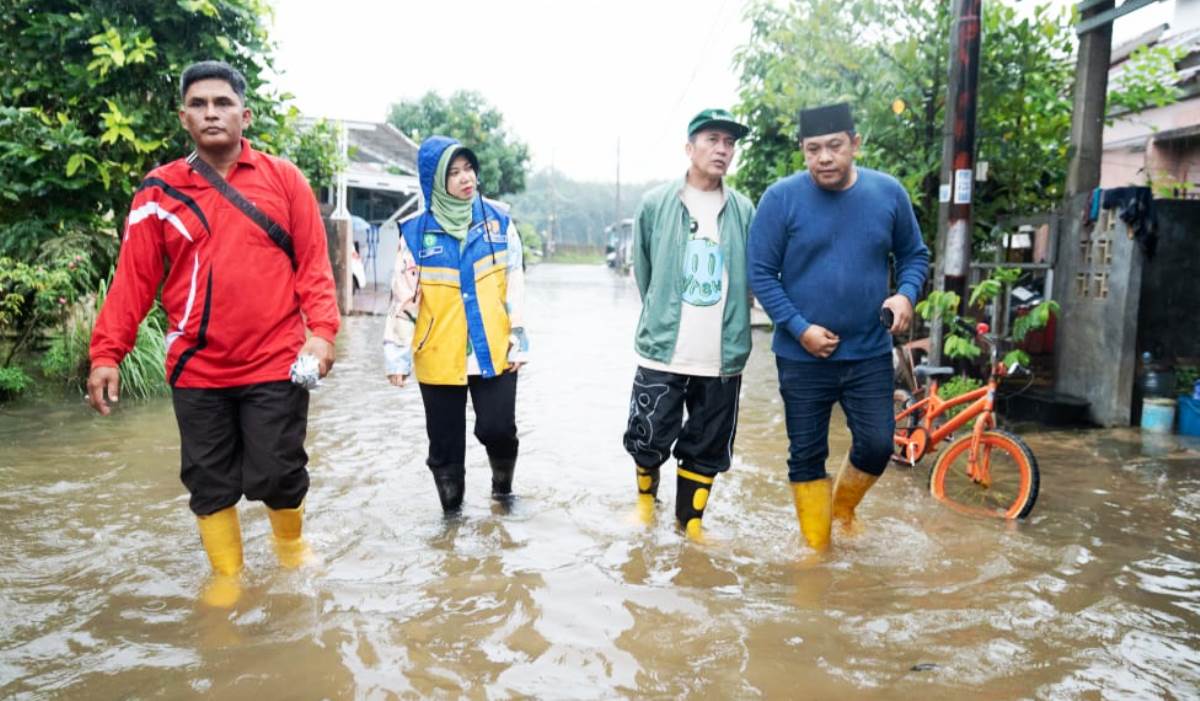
[[982, 331], [979, 331]]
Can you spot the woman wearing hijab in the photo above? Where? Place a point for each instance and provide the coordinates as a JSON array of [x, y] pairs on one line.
[[455, 321]]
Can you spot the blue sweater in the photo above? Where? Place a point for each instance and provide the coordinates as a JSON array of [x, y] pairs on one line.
[[822, 257]]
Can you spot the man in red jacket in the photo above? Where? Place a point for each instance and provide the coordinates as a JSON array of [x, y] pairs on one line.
[[238, 298]]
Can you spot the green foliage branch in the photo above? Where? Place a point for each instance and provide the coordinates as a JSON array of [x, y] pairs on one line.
[[889, 59], [944, 305], [88, 104], [467, 116]]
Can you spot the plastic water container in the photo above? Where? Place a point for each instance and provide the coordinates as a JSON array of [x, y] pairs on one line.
[[1189, 416], [1156, 380], [1158, 415]]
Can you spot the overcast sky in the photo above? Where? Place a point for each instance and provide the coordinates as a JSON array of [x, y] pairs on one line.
[[571, 77]]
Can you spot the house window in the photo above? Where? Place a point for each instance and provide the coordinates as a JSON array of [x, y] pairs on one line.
[[1100, 285], [1081, 285]]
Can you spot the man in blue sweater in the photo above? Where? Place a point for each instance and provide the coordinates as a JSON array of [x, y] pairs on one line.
[[819, 261]]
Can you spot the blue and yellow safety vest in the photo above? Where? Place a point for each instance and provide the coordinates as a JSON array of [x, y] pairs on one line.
[[464, 286]]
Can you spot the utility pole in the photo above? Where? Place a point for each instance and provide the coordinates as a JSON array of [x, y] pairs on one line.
[[958, 161], [617, 214], [550, 235], [1091, 87]]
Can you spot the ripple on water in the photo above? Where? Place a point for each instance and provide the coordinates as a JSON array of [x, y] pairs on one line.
[[565, 595]]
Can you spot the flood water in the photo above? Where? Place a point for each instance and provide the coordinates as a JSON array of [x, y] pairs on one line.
[[1096, 596]]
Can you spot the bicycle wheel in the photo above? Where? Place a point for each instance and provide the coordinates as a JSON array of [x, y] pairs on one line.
[[901, 400], [1013, 482]]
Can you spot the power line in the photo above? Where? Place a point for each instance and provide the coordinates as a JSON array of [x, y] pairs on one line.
[[712, 30]]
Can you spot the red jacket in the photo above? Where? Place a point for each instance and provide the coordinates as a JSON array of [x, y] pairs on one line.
[[234, 305]]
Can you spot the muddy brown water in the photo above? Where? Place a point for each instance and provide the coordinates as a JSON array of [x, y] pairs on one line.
[[1097, 596]]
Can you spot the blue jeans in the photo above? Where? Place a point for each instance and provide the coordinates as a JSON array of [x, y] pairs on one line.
[[864, 389]]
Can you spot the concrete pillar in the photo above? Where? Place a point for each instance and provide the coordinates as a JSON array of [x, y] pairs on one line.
[[339, 240], [1087, 121], [1098, 283]]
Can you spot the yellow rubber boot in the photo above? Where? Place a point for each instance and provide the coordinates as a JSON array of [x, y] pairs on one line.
[[647, 482], [221, 535], [286, 528], [691, 497], [813, 510], [852, 484]]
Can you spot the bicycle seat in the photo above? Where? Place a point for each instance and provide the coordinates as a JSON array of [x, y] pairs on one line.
[[931, 371]]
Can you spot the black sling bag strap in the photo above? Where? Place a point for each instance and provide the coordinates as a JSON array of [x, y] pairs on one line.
[[274, 231]]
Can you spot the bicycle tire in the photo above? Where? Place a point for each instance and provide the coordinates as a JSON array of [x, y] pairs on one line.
[[1015, 478], [901, 400]]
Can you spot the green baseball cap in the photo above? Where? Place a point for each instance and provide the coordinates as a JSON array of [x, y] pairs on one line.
[[720, 119]]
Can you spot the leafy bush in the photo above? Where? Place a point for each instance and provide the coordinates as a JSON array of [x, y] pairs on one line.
[[944, 306], [88, 99], [956, 386], [89, 91], [143, 371], [66, 359], [31, 298], [13, 382], [531, 241], [1185, 378]]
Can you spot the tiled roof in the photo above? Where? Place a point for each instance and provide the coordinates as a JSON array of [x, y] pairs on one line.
[[381, 145]]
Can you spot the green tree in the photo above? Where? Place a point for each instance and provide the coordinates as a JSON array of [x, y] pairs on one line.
[[531, 240], [312, 147], [468, 117], [580, 211], [89, 95], [88, 101], [1149, 78], [889, 59]]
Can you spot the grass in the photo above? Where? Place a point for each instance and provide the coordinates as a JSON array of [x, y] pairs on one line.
[[576, 258], [143, 373]]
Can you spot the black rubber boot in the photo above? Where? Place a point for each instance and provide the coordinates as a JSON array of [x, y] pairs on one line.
[[450, 483], [691, 497], [647, 481], [502, 476]]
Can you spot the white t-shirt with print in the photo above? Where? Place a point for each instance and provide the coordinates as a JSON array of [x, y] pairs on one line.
[[706, 279]]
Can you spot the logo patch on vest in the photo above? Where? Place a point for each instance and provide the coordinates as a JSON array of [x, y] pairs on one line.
[[493, 226], [430, 239], [495, 238], [429, 252]]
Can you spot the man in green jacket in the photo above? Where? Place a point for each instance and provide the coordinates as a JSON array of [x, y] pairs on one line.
[[693, 338]]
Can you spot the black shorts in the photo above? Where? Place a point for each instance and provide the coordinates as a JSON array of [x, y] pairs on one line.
[[243, 441], [704, 442]]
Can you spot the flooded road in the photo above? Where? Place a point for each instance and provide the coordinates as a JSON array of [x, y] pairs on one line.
[[1097, 596]]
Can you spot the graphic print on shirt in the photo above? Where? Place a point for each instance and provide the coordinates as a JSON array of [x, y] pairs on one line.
[[703, 266]]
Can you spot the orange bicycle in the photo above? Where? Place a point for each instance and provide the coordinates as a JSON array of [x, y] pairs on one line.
[[988, 472]]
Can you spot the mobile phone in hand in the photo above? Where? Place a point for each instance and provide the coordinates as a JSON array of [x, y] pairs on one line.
[[886, 317]]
